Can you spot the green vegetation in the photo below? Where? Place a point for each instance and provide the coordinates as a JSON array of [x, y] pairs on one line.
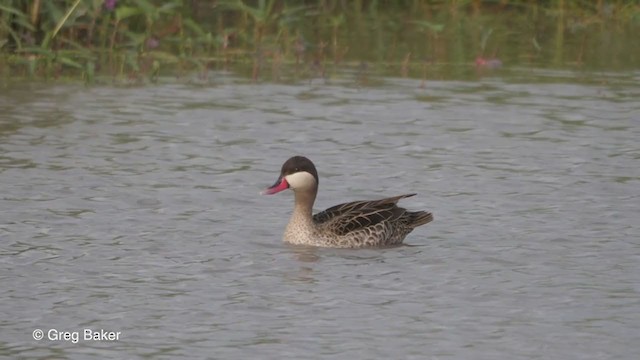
[[280, 39]]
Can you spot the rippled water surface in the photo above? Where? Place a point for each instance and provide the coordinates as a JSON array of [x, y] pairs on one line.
[[136, 210]]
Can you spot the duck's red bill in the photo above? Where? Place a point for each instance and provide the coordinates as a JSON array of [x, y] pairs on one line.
[[280, 185]]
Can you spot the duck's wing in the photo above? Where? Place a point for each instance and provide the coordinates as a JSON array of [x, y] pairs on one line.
[[344, 218], [341, 209]]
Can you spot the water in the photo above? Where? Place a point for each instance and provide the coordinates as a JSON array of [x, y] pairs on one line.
[[136, 210]]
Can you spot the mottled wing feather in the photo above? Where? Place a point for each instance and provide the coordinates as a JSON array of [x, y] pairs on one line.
[[348, 217], [364, 218], [342, 209]]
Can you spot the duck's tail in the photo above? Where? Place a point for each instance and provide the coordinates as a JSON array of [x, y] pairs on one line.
[[418, 218]]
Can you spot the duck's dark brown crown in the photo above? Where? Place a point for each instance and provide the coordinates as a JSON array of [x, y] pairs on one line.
[[297, 164]]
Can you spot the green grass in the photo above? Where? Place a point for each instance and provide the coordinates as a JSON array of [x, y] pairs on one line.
[[141, 40]]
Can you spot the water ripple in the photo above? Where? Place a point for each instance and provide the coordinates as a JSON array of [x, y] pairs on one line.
[[137, 210]]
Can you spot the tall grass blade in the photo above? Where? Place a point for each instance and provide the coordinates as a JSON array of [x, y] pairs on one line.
[[64, 18]]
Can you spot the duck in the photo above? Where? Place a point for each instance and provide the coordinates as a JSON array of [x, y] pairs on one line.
[[357, 224]]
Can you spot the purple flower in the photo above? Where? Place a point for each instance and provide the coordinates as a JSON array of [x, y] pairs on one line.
[[110, 4], [152, 43], [492, 63]]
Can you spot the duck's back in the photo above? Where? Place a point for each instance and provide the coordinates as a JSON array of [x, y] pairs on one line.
[[369, 223]]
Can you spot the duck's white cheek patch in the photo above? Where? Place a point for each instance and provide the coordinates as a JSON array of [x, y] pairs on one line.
[[300, 180]]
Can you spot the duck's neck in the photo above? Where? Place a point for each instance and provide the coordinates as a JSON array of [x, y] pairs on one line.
[[303, 208], [301, 226]]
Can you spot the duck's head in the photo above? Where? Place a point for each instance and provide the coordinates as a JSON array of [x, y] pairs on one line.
[[298, 173]]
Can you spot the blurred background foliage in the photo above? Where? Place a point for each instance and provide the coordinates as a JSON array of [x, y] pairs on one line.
[[280, 38]]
